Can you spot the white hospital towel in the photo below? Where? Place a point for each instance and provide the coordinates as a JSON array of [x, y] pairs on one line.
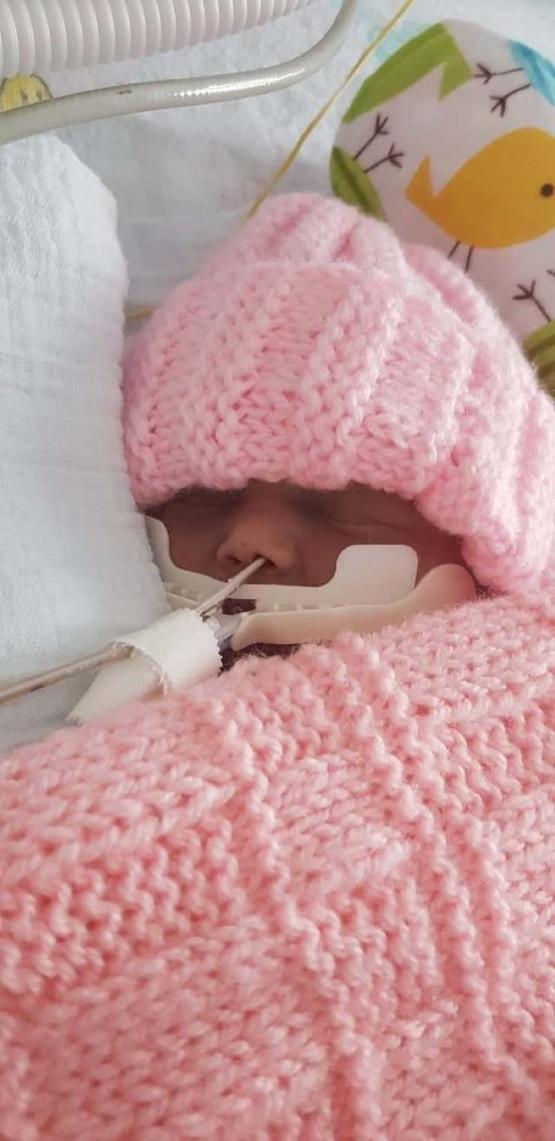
[[75, 567]]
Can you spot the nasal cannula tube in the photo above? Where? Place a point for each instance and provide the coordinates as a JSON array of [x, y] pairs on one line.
[[117, 652]]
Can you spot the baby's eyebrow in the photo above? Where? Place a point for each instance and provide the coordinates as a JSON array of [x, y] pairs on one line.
[[198, 492], [376, 507]]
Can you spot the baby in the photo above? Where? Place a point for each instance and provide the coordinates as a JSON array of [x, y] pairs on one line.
[[298, 531], [310, 898], [319, 387]]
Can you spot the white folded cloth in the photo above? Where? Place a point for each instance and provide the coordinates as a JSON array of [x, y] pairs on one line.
[[75, 566]]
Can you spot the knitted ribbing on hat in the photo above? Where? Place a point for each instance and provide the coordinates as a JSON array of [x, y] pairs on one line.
[[316, 348]]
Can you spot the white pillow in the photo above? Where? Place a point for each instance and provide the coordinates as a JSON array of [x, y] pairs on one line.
[[75, 566]]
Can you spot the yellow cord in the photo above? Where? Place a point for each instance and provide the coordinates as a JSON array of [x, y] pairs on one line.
[[138, 313], [327, 106]]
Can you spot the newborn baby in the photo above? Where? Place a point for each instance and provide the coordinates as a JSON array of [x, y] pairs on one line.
[[303, 395], [298, 531]]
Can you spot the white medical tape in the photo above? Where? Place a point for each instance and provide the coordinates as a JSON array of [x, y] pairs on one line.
[[176, 651], [181, 648]]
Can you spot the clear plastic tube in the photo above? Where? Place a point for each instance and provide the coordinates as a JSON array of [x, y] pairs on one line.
[[47, 35]]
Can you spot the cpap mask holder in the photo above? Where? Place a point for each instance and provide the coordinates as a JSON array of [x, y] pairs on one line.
[[364, 574], [373, 587]]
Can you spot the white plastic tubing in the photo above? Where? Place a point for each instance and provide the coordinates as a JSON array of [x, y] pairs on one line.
[[46, 35], [158, 95]]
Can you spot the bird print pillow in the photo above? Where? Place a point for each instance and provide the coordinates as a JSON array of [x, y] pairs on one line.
[[452, 141]]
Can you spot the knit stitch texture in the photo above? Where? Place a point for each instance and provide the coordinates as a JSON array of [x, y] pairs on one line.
[[316, 348], [310, 900]]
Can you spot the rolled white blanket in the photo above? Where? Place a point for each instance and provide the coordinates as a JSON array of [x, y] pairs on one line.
[[75, 567]]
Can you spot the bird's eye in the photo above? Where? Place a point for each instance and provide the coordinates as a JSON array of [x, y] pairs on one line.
[[547, 190]]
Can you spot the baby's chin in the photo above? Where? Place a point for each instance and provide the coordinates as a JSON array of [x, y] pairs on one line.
[[260, 650]]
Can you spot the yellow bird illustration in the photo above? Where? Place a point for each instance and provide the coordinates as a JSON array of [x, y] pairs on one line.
[[19, 90], [503, 195]]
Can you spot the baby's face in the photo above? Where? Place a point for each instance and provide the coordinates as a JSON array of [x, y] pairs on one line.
[[300, 533]]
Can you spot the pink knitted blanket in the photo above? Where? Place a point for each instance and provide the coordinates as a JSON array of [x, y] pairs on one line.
[[312, 899]]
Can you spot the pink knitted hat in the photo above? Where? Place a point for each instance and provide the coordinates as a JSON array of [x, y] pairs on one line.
[[316, 348]]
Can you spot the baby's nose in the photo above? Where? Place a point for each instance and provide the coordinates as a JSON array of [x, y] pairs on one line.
[[255, 534]]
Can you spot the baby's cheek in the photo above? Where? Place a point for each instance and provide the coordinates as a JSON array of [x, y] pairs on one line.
[[194, 539], [321, 547], [435, 549]]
